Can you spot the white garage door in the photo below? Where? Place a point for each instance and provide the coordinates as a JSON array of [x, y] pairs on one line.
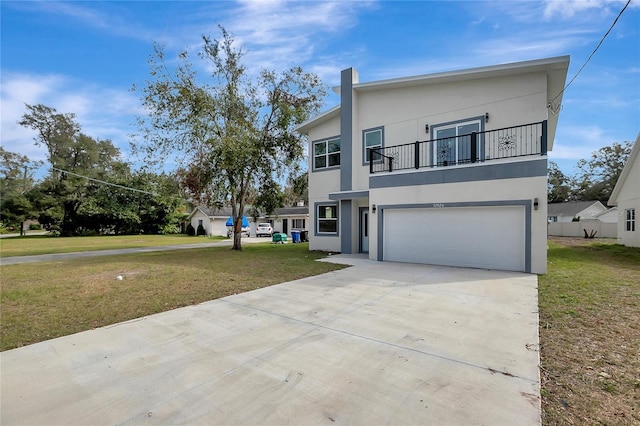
[[477, 237]]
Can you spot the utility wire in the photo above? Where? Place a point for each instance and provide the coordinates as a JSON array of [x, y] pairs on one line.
[[592, 53], [106, 183]]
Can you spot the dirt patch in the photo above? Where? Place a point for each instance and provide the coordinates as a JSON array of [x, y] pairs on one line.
[[580, 241]]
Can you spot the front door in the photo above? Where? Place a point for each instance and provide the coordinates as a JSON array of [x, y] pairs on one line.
[[285, 226], [364, 230]]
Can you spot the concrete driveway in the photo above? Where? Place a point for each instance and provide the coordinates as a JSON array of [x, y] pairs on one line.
[[376, 343]]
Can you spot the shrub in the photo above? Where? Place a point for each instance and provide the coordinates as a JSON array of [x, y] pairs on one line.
[[170, 229], [35, 227], [201, 230], [191, 231]]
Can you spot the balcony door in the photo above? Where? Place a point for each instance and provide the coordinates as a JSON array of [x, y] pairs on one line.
[[453, 142]]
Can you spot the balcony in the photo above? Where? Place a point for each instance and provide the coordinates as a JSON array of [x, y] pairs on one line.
[[509, 142]]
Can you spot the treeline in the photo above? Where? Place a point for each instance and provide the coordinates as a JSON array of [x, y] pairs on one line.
[[594, 178], [89, 188]]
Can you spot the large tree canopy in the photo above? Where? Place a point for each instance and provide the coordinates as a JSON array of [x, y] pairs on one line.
[[230, 134], [72, 154], [89, 188], [595, 177]]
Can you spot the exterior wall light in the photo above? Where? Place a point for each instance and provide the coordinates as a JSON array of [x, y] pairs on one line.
[[373, 208], [535, 204], [426, 128], [486, 117]]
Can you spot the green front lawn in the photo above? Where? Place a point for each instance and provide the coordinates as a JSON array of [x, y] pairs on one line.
[[41, 301], [44, 244], [590, 334]]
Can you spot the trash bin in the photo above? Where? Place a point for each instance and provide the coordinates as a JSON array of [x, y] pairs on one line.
[[279, 238], [295, 236], [304, 236]]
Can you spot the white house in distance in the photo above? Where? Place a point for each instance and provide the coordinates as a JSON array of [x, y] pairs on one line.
[[580, 218], [609, 216], [212, 220], [284, 220], [447, 168], [289, 219], [567, 212], [626, 195]]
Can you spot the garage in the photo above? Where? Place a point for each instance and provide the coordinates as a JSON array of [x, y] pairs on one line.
[[476, 237]]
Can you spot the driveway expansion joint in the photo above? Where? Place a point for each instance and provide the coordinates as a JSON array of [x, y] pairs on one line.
[[371, 339]]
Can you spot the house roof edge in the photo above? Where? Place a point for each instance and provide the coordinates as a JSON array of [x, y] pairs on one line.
[[613, 199]]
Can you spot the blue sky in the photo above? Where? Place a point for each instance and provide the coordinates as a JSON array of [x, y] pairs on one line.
[[84, 57]]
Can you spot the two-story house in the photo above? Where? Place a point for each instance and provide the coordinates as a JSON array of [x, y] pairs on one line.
[[446, 169]]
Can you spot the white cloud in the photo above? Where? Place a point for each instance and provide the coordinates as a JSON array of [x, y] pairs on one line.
[[533, 43], [278, 34], [112, 19], [103, 113], [566, 9], [575, 143]]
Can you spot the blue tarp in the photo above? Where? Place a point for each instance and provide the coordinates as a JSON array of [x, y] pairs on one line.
[[245, 222]]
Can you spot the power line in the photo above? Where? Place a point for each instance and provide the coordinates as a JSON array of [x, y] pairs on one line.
[[592, 53], [106, 183]]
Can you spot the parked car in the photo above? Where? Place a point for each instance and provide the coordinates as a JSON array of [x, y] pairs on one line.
[[245, 230], [264, 229]]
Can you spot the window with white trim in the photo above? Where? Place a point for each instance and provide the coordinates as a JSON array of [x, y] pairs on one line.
[[327, 219], [372, 138], [630, 220], [326, 153], [297, 223]]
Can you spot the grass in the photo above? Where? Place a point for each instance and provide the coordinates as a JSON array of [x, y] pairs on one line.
[[590, 334], [44, 244], [42, 301]]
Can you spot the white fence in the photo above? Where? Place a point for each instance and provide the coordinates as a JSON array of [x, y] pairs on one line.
[[577, 229]]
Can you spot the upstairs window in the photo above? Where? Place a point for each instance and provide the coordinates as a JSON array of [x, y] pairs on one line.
[[326, 153], [630, 220], [372, 138]]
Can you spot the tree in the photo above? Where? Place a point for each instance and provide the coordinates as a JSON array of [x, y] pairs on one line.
[[297, 188], [598, 175], [558, 185], [16, 172], [73, 156], [16, 180], [232, 133]]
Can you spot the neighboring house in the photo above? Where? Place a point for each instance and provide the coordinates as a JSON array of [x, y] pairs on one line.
[[567, 212], [609, 216], [213, 220], [289, 219], [447, 168], [283, 220], [626, 196]]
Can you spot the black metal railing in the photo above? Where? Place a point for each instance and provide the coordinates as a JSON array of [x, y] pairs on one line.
[[509, 142]]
